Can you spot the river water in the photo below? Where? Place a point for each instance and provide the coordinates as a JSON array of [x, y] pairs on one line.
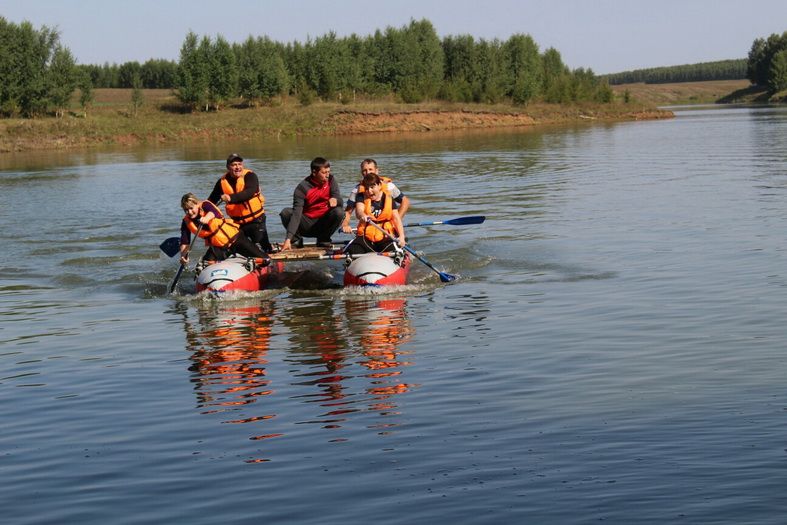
[[615, 348]]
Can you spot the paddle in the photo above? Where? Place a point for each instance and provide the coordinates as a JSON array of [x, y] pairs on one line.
[[170, 246], [182, 266], [326, 257], [460, 221], [444, 277]]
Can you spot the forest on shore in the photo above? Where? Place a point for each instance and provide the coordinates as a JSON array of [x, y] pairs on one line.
[[409, 64], [701, 72]]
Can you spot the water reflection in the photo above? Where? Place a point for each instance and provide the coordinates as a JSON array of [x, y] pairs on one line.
[[344, 359], [320, 353], [229, 346], [350, 357], [380, 329]]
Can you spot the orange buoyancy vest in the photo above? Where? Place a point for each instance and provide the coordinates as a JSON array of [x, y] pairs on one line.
[[385, 181], [246, 211], [219, 232], [383, 220]]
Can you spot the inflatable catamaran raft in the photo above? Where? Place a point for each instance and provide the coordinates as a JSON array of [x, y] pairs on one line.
[[370, 269]]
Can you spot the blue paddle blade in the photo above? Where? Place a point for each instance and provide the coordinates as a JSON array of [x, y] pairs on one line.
[[170, 246], [446, 277], [459, 221]]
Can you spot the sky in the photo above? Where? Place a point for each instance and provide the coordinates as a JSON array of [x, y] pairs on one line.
[[607, 36]]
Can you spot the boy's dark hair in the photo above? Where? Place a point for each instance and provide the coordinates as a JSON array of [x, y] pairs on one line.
[[370, 180], [319, 163]]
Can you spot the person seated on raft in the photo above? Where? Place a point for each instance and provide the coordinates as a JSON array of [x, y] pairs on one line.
[[377, 208], [401, 202], [316, 208], [222, 236]]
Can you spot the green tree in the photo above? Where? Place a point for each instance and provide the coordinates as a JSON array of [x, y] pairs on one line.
[[159, 74], [756, 70], [25, 55], [86, 95], [584, 84], [323, 65], [223, 71], [379, 54], [137, 96], [523, 63], [761, 57], [62, 79], [262, 74], [462, 78], [359, 68], [777, 78], [412, 59], [492, 71], [127, 73], [553, 81], [193, 73]]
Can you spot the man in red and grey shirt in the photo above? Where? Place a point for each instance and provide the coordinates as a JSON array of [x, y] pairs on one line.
[[316, 207]]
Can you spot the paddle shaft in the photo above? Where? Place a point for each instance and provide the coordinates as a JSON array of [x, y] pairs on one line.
[[183, 266], [445, 277], [324, 257]]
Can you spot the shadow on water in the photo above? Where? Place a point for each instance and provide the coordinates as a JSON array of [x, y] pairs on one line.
[[338, 364]]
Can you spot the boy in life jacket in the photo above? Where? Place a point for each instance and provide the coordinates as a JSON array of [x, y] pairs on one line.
[[401, 202], [239, 188], [376, 207], [222, 236]]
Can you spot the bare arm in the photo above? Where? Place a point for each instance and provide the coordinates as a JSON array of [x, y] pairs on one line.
[[404, 206], [397, 220]]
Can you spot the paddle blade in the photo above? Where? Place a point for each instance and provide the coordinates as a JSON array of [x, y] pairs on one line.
[[171, 246], [461, 221], [446, 277]]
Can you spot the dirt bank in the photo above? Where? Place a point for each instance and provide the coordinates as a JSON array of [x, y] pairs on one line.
[[349, 122]]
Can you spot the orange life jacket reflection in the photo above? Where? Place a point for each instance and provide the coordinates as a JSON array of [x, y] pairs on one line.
[[219, 232], [242, 212], [383, 219]]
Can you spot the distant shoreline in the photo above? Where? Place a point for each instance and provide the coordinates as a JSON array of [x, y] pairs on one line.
[[683, 93], [109, 120]]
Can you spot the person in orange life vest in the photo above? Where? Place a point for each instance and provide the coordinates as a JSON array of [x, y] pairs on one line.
[[377, 207], [401, 202], [316, 207], [240, 189], [223, 236]]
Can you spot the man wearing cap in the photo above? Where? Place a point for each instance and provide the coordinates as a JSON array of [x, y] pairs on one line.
[[316, 207], [239, 189]]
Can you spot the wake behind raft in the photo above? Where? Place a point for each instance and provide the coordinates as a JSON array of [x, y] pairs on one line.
[[242, 274]]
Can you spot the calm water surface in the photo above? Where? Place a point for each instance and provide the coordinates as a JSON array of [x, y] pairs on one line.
[[614, 350]]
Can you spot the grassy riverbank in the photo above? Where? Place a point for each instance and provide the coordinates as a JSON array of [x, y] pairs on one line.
[[709, 92], [111, 120]]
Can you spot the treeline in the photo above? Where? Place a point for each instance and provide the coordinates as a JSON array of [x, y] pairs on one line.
[[719, 70], [767, 64], [410, 62], [153, 74]]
